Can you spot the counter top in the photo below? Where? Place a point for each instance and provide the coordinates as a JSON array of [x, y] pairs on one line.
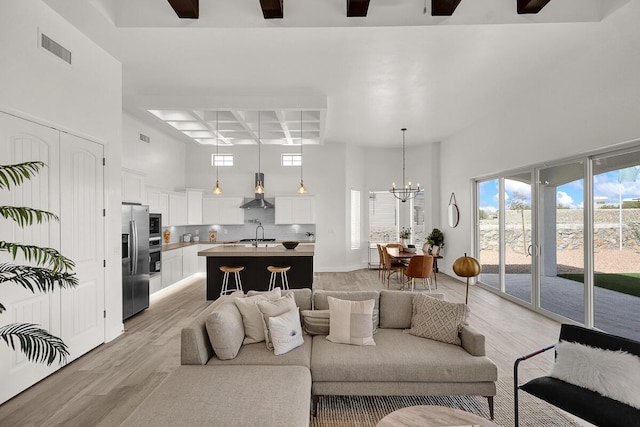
[[264, 250], [227, 243]]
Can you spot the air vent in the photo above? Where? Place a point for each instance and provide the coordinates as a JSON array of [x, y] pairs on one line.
[[56, 48], [145, 138]]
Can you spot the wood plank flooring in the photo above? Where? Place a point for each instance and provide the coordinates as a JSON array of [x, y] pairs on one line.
[[104, 386]]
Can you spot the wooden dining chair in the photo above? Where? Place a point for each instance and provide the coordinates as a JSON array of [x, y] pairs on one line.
[[391, 266], [420, 267], [380, 261]]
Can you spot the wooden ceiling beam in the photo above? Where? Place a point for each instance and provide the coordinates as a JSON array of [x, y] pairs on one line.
[[531, 6], [186, 9], [357, 8], [444, 7], [272, 9]]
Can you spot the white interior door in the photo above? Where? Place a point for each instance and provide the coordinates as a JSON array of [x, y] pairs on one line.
[[21, 141], [82, 224]]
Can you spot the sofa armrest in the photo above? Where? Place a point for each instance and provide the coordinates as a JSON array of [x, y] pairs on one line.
[[472, 341], [195, 347]]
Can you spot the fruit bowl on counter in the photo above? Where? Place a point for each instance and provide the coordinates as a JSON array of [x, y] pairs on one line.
[[290, 245]]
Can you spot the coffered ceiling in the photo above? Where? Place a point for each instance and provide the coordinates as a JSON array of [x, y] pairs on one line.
[[358, 80]]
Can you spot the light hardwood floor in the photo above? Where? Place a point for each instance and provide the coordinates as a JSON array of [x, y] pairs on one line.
[[104, 386]]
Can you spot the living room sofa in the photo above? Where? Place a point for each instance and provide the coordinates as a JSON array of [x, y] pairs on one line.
[[399, 364]]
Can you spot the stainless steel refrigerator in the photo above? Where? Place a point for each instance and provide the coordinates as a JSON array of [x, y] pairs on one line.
[[135, 259]]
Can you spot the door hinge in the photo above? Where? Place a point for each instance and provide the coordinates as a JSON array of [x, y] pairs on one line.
[[105, 314], [104, 262], [104, 161], [104, 212]]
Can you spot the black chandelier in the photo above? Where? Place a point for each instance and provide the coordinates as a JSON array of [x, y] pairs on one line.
[[406, 192]]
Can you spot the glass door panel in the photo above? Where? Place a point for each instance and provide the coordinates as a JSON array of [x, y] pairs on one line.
[[489, 232], [616, 256], [561, 232], [517, 236]]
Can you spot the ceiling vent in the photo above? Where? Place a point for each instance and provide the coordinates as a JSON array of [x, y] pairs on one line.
[[145, 138], [56, 48]]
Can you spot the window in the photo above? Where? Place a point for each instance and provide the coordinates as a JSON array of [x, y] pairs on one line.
[[383, 217], [355, 219], [222, 160], [291, 159]]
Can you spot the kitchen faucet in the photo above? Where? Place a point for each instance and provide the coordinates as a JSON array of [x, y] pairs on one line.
[[258, 227]]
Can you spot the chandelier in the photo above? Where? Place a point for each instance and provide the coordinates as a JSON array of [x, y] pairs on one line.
[[406, 192]]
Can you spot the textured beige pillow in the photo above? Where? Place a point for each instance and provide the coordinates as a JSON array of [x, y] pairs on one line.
[[316, 322], [272, 308], [437, 319], [285, 332], [251, 316], [350, 321], [226, 330]]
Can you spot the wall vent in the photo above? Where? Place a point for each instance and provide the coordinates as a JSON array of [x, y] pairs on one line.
[[145, 138], [56, 48]]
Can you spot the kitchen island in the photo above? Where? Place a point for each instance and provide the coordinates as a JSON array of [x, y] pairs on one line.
[[255, 261]]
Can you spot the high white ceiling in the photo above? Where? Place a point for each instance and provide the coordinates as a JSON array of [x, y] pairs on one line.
[[364, 78]]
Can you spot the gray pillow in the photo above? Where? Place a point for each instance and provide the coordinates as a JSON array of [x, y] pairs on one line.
[[437, 319], [226, 331]]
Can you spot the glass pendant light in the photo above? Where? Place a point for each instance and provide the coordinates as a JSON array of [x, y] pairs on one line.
[[217, 189], [259, 188], [301, 188]]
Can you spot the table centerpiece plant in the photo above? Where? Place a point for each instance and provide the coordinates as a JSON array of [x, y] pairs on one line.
[[405, 235]]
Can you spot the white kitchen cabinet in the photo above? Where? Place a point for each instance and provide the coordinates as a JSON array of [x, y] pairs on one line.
[[171, 267], [132, 186], [222, 210], [194, 207], [189, 260], [155, 284], [202, 260], [295, 210], [177, 209]]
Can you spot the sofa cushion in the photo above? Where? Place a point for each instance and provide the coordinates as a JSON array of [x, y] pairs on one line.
[[276, 307], [396, 308], [259, 354], [397, 357], [226, 330], [316, 322], [285, 332], [302, 296], [251, 316], [350, 321], [320, 301], [437, 320]]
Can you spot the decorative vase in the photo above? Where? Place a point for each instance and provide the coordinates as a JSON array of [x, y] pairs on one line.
[[426, 249], [403, 242], [435, 250], [167, 236]]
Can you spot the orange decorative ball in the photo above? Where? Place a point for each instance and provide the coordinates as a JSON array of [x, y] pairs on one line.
[[466, 266]]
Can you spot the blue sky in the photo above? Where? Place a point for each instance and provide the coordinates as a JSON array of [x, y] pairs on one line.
[[604, 185]]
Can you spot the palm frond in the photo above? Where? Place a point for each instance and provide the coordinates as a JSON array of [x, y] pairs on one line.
[[40, 255], [37, 344], [26, 216], [16, 174]]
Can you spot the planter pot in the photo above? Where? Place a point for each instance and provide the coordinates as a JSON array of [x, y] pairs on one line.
[[435, 250]]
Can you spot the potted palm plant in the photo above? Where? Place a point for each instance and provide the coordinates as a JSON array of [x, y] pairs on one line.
[[435, 240], [46, 269]]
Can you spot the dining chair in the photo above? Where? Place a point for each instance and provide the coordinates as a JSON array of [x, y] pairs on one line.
[[380, 261], [391, 266], [420, 267]]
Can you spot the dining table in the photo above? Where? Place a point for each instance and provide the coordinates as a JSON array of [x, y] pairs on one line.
[[404, 256]]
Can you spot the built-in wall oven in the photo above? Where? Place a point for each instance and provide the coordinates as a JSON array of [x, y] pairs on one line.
[[155, 243]]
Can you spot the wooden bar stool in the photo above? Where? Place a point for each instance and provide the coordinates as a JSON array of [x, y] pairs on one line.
[[225, 279], [283, 276]]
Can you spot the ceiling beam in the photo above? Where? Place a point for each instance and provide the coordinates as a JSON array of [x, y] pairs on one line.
[[531, 6], [186, 9], [443, 7], [357, 7], [272, 9]]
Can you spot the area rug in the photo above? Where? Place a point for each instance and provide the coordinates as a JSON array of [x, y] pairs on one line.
[[362, 411]]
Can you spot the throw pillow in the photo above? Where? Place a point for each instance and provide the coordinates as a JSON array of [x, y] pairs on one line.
[[437, 319], [350, 321], [285, 332], [614, 374], [251, 316], [275, 308], [226, 331], [316, 322]]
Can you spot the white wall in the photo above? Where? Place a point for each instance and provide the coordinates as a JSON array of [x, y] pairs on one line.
[[85, 98], [162, 161], [589, 101]]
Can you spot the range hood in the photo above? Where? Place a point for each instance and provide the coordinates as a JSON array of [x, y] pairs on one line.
[[258, 201]]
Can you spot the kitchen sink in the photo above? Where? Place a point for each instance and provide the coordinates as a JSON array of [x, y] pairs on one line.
[[263, 245]]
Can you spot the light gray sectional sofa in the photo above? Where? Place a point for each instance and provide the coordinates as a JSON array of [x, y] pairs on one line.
[[277, 390]]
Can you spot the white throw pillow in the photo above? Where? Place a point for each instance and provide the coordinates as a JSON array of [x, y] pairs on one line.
[[614, 374], [251, 316], [316, 322], [350, 321], [437, 319], [285, 332], [274, 307]]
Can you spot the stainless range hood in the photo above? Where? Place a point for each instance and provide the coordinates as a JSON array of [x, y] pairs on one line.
[[258, 201]]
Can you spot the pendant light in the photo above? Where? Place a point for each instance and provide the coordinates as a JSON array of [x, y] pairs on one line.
[[217, 189], [301, 188], [259, 188], [407, 192]]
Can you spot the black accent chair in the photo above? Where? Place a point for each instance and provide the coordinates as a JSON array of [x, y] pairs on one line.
[[583, 403]]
